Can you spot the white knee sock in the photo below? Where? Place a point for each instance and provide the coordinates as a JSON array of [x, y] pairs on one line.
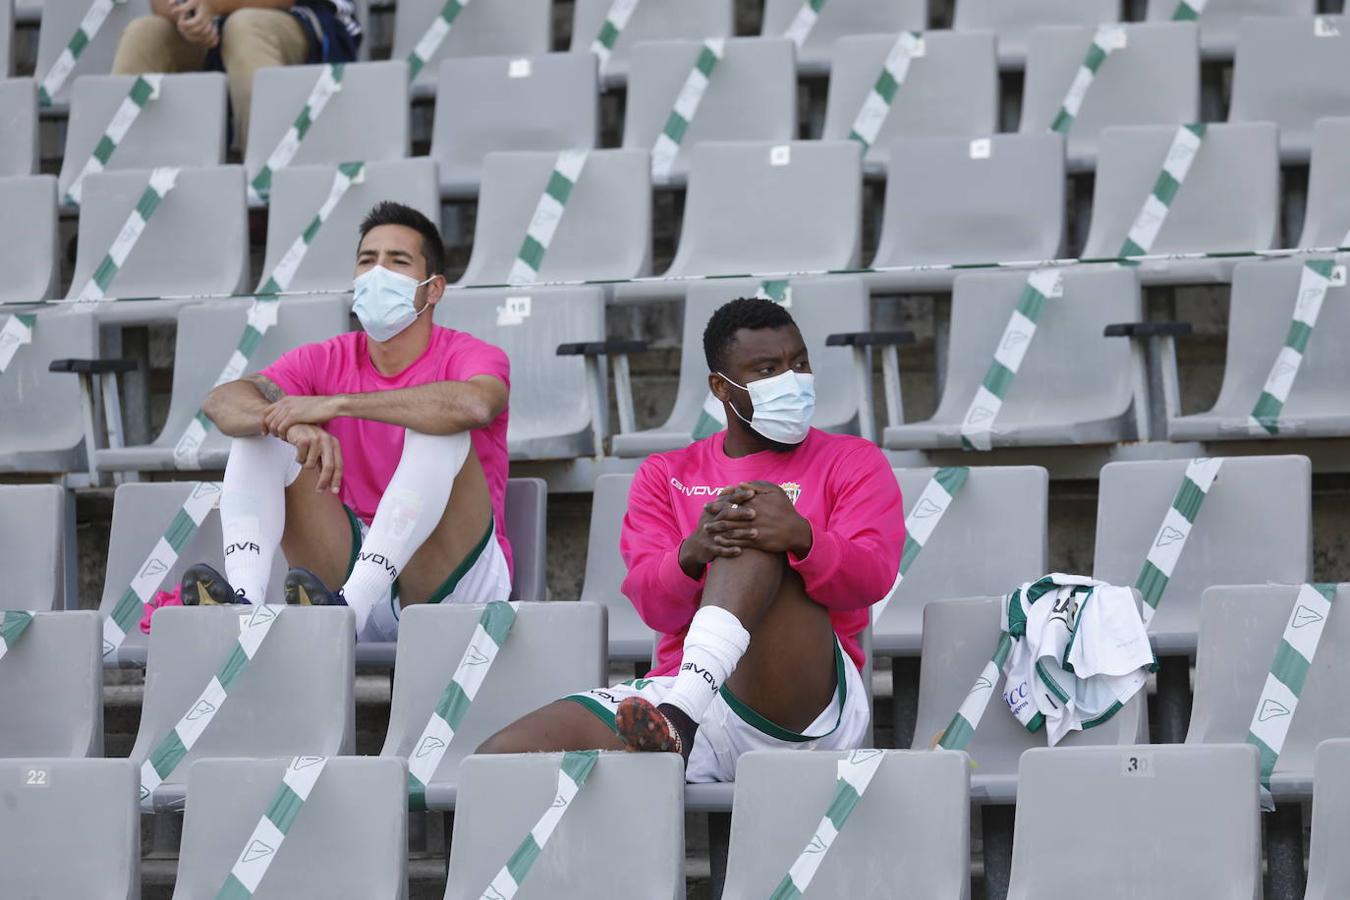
[[253, 510], [409, 511], [715, 643]]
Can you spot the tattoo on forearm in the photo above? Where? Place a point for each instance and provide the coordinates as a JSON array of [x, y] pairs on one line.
[[267, 387]]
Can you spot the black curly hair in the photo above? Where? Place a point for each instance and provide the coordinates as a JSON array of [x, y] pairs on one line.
[[747, 312], [387, 212]]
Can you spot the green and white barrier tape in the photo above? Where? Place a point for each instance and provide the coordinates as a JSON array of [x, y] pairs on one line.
[[962, 726], [1175, 529], [61, 70], [620, 11], [175, 746], [431, 39], [1185, 145], [328, 84], [265, 841], [667, 145], [572, 774], [1188, 10], [161, 183], [712, 418], [18, 331], [130, 607], [907, 48], [547, 214], [1105, 41], [923, 520], [855, 773], [799, 29], [978, 424], [13, 623], [1316, 276], [488, 636], [144, 89]]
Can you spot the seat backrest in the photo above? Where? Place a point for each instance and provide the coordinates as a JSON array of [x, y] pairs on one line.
[[1152, 802], [32, 528], [1219, 21], [1254, 527], [553, 649], [28, 238], [841, 18], [756, 207], [502, 27], [61, 22], [349, 839], [1328, 866], [1206, 214], [18, 119], [41, 408], [1012, 22], [1326, 219], [51, 688], [605, 231], [605, 569], [503, 797], [71, 829], [526, 515], [6, 39], [689, 20], [957, 200]]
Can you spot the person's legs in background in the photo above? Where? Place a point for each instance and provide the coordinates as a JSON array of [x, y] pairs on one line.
[[252, 39], [153, 44]]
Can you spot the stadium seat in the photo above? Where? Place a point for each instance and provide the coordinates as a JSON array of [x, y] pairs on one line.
[[500, 28], [60, 23], [6, 40], [71, 829], [630, 640], [839, 19], [1153, 80], [28, 11], [1013, 22], [950, 91], [751, 95], [552, 650], [1326, 220], [505, 795], [293, 698], [44, 424], [545, 102], [911, 827], [183, 126], [692, 20], [32, 554], [1206, 214], [958, 200], [18, 123], [1219, 21], [349, 839], [526, 513], [1160, 798], [28, 238], [1292, 71], [51, 688], [820, 306], [1328, 877], [605, 231], [1074, 386]]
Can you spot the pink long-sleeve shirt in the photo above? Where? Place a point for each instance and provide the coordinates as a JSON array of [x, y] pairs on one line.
[[842, 485]]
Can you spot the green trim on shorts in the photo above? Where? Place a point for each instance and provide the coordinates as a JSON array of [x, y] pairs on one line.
[[596, 708], [774, 730]]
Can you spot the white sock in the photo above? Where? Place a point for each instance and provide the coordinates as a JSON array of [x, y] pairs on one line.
[[715, 643], [253, 510], [409, 511]]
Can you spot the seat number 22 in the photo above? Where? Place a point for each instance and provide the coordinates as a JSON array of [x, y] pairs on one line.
[[35, 777]]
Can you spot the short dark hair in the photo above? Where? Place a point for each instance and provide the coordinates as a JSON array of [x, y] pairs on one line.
[[388, 212], [747, 312]]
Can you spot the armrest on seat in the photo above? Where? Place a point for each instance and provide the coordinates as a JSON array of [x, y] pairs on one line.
[[1149, 329], [99, 401], [871, 339], [92, 366], [603, 348], [617, 351], [1157, 389], [861, 343]]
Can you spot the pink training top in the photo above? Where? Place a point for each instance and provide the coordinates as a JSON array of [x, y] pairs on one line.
[[371, 450], [842, 485]]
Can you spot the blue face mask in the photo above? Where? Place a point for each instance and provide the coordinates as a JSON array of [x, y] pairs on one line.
[[384, 302]]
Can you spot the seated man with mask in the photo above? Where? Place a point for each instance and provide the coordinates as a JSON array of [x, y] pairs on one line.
[[376, 460], [756, 553]]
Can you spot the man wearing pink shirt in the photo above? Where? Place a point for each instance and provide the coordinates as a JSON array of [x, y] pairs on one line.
[[376, 460], [756, 553]]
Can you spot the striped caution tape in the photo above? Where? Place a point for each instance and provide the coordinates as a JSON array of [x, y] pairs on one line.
[[572, 774], [1314, 279], [962, 727], [799, 29], [855, 773], [1106, 40], [1185, 145], [712, 418], [17, 332], [923, 520], [1176, 527], [13, 623], [547, 214], [620, 11], [276, 822], [176, 744], [161, 183], [1188, 10], [144, 89], [431, 39], [130, 607], [978, 424], [488, 636], [907, 48], [60, 72], [687, 101], [328, 84]]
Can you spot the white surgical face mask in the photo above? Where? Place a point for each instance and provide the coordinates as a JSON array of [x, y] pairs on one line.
[[782, 405], [384, 302]]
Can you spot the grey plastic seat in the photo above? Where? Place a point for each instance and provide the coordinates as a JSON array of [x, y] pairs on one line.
[[630, 640], [751, 95], [44, 425], [1328, 877], [526, 514], [911, 827], [32, 555], [1292, 71], [820, 306], [505, 795], [6, 39], [1187, 792], [839, 19], [959, 637], [1220, 20], [1153, 80], [1206, 214], [18, 121], [1074, 386], [51, 688], [60, 20], [28, 238], [548, 102], [1254, 527], [652, 20], [950, 91], [553, 649], [43, 855], [605, 230], [184, 126], [1326, 219], [1013, 22], [503, 27], [958, 200], [349, 839]]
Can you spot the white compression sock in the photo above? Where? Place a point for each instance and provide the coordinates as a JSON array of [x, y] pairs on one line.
[[715, 643], [253, 510], [409, 511]]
